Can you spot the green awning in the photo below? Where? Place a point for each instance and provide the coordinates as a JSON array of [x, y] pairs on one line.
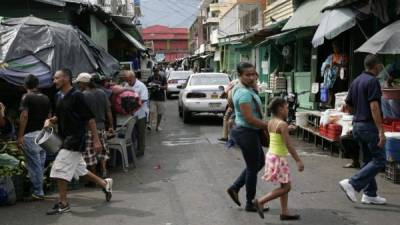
[[307, 15], [286, 37], [53, 2], [130, 38]]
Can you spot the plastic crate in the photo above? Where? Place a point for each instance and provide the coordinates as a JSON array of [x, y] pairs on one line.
[[393, 172], [391, 125], [323, 131]]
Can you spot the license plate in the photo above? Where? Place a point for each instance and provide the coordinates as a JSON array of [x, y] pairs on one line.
[[214, 105], [214, 96]]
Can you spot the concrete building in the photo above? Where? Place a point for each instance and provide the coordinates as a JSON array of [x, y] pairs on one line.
[[277, 10], [168, 44]]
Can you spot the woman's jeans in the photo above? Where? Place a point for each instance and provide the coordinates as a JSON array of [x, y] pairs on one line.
[[35, 158], [367, 136], [249, 142]]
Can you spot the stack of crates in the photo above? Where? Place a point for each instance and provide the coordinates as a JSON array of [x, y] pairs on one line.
[[392, 149], [393, 172], [277, 82], [331, 131]]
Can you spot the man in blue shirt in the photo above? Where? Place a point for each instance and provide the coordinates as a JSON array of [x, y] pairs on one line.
[[364, 101]]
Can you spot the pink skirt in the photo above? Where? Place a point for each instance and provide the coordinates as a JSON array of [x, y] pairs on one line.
[[276, 169]]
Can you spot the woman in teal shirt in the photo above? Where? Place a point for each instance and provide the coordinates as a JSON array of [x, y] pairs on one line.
[[246, 133]]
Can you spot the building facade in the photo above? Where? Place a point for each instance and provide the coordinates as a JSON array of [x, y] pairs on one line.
[[168, 44]]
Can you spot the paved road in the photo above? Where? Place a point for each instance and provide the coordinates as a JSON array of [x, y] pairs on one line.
[[189, 188]]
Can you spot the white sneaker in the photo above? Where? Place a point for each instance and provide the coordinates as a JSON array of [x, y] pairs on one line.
[[108, 189], [109, 185], [373, 200], [348, 190]]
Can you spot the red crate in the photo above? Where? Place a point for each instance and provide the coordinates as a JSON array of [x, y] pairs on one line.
[[391, 125], [323, 131]]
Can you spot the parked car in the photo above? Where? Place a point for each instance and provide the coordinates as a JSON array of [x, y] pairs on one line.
[[176, 78], [202, 94]]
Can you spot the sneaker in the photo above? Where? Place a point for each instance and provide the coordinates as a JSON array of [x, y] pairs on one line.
[[373, 200], [59, 208], [149, 128], [34, 198], [108, 189], [158, 129], [348, 189]]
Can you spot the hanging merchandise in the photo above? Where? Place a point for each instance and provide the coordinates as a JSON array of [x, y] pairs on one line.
[[287, 53], [324, 96]]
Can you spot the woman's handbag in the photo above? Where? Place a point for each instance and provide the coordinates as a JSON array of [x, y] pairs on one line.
[[264, 138], [264, 134]]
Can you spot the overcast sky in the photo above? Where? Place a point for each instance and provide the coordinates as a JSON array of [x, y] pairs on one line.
[[173, 13]]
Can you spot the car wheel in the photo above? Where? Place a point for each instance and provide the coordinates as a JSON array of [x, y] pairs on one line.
[[187, 116]]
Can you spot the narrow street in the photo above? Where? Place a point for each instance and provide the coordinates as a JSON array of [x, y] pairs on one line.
[[188, 187]]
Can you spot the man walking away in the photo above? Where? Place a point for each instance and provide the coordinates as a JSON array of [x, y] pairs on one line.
[[137, 86], [364, 101], [158, 85], [99, 104], [72, 117], [35, 109]]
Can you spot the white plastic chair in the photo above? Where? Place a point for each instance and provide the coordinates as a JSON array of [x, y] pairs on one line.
[[121, 145]]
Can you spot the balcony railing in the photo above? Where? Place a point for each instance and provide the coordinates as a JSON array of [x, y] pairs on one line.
[[117, 7], [211, 20], [214, 7]]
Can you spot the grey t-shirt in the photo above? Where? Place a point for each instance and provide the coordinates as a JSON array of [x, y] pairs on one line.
[[98, 103]]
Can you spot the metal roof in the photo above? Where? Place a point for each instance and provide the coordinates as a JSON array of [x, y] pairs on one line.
[[307, 15]]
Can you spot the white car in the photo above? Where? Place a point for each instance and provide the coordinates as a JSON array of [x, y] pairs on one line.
[[202, 94], [175, 79]]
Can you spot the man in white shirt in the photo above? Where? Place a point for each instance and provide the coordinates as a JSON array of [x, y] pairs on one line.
[[132, 83]]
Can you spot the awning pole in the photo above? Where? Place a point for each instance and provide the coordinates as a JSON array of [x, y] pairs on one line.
[[362, 31]]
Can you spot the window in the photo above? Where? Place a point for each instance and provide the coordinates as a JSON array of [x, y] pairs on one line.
[[254, 17], [249, 20]]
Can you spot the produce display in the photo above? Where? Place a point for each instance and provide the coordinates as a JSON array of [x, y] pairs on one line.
[[12, 160]]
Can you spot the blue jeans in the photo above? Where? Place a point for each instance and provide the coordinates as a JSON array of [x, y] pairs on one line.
[[35, 158], [367, 136], [249, 142]]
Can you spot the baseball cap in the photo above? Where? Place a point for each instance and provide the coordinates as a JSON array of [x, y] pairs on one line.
[[83, 78]]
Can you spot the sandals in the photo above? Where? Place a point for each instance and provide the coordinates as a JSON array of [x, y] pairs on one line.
[[259, 208], [290, 217]]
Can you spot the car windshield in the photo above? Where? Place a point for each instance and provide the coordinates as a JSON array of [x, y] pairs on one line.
[[179, 75], [209, 80]]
